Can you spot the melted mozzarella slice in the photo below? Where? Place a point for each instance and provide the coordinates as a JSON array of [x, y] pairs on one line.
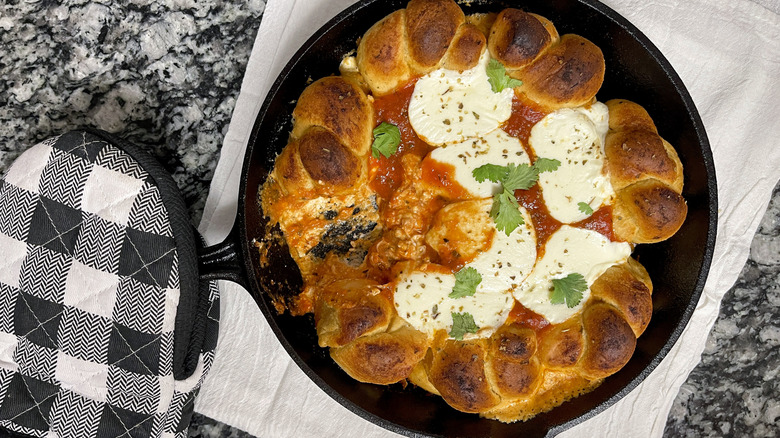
[[450, 106], [422, 296], [575, 137], [569, 250], [497, 147]]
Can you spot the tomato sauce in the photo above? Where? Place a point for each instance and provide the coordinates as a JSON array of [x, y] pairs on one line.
[[526, 317], [544, 224], [600, 221], [386, 173], [524, 117], [442, 175]]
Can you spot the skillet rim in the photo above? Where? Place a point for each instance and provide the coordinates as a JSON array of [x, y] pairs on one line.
[[245, 240]]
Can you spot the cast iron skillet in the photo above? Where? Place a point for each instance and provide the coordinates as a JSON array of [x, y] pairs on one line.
[[636, 70]]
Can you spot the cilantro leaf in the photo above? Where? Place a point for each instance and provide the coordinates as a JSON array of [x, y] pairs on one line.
[[520, 177], [546, 164], [493, 172], [498, 78], [462, 323], [506, 212], [387, 137], [466, 281], [585, 208], [568, 289]]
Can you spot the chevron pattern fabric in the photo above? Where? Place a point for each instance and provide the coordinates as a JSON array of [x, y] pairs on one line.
[[89, 290]]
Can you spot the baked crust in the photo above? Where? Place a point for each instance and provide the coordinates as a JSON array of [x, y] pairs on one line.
[[382, 358], [381, 54], [458, 373], [431, 26], [518, 38], [513, 366], [647, 176], [517, 371], [348, 309]]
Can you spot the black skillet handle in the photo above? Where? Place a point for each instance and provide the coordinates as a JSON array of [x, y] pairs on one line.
[[223, 260]]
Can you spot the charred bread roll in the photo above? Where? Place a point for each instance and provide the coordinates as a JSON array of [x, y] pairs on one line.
[[331, 135], [413, 271], [382, 358], [647, 175]]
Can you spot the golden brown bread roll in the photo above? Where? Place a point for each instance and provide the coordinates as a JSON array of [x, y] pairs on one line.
[[382, 358], [465, 49], [381, 54], [340, 107], [458, 373], [563, 347], [567, 75], [628, 288], [647, 176], [518, 38], [330, 164], [610, 340], [332, 131], [512, 362], [348, 309], [431, 26]]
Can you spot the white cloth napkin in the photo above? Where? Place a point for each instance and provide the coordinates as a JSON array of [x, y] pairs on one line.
[[728, 55]]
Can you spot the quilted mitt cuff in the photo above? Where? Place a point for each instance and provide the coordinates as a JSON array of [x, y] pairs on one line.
[[105, 327]]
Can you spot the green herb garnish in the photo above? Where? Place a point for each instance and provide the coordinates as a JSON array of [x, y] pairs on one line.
[[568, 289], [466, 281], [585, 208], [506, 211], [493, 172], [462, 323], [498, 78], [387, 137], [546, 164]]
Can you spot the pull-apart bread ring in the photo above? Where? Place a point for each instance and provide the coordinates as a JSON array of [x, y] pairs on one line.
[[556, 71], [370, 258]]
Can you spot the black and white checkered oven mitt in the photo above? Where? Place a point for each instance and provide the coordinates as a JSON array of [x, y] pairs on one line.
[[105, 328]]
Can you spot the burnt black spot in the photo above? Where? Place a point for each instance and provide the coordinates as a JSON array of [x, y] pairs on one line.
[[340, 236], [330, 215]]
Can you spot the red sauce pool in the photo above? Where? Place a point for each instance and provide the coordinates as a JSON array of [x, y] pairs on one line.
[[386, 174], [442, 175], [526, 317], [600, 221], [524, 117]]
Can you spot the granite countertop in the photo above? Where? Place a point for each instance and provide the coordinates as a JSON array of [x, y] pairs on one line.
[[166, 74]]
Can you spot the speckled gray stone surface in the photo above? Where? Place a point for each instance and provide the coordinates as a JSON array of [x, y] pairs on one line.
[[166, 74], [735, 390], [163, 73]]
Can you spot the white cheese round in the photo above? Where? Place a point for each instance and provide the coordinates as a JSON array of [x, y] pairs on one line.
[[496, 147], [448, 106], [575, 137], [569, 250], [422, 296]]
